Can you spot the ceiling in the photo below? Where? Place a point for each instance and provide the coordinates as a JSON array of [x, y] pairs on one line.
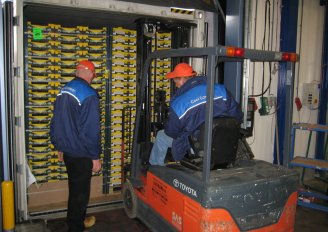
[[206, 5], [71, 16]]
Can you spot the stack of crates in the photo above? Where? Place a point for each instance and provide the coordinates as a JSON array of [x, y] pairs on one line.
[[123, 99], [160, 67], [53, 51], [163, 66]]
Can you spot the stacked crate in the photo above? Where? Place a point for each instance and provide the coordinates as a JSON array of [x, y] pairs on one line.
[[51, 60], [53, 52], [163, 66], [123, 99], [160, 67]]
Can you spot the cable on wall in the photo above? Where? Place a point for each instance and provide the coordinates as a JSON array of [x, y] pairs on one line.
[[297, 77], [267, 14], [255, 27]]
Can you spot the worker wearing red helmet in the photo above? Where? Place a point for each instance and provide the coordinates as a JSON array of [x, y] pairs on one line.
[[75, 134], [187, 112]]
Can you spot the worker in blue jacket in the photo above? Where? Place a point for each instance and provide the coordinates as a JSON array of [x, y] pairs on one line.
[[187, 112], [75, 134]]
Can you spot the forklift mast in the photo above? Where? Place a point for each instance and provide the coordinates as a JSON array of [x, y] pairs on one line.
[[147, 30]]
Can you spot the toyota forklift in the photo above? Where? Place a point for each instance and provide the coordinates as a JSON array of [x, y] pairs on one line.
[[210, 190]]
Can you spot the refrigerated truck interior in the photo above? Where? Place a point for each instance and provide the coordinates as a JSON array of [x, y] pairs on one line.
[[53, 36]]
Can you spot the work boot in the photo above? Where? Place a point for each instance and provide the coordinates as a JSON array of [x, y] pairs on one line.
[[89, 221]]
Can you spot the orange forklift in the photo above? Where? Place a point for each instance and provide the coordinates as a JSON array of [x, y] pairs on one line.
[[211, 190]]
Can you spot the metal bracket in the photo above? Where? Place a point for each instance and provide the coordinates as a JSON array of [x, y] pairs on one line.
[[18, 121], [16, 71], [20, 215], [16, 21], [19, 168]]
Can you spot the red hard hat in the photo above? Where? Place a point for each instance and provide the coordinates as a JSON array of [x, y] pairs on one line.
[[86, 64], [181, 70]]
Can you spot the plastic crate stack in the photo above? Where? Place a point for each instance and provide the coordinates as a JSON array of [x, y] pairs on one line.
[[123, 97], [161, 66], [53, 52]]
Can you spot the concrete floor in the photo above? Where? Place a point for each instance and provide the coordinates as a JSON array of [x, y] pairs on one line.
[[115, 220], [307, 220]]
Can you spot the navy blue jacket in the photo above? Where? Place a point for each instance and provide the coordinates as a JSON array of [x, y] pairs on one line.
[[187, 112], [75, 125]]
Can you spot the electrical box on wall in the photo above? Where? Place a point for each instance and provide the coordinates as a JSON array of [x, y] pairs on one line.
[[310, 96]]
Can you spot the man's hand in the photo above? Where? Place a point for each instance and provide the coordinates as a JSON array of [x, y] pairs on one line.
[[60, 156], [96, 165]]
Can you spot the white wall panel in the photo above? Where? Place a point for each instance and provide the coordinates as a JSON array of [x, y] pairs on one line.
[[262, 141], [309, 68]]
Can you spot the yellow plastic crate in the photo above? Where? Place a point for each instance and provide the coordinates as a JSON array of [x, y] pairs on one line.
[[124, 32]]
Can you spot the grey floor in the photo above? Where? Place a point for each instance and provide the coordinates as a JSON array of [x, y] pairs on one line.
[[307, 220], [115, 220]]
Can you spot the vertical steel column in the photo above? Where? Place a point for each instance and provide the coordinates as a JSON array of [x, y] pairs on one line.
[[322, 117], [143, 51], [209, 118], [234, 37], [107, 145], [3, 140], [6, 91], [289, 94], [2, 97], [288, 38], [142, 120]]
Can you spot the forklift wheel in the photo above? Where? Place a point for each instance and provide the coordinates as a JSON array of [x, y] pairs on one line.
[[129, 200]]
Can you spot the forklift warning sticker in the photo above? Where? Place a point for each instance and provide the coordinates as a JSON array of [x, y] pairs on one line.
[[160, 191], [37, 33]]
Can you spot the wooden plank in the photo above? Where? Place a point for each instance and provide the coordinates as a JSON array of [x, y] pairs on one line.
[[55, 194], [310, 163], [106, 198]]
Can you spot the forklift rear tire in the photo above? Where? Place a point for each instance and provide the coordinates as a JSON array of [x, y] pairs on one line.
[[129, 200]]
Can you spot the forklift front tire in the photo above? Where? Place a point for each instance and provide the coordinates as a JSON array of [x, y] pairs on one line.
[[129, 200]]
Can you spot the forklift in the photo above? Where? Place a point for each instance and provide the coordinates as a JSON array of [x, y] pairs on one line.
[[203, 192]]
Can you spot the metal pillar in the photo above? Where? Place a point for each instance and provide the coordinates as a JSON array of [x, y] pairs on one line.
[[234, 37], [6, 88], [1, 92], [144, 26], [322, 117], [1, 107], [288, 38]]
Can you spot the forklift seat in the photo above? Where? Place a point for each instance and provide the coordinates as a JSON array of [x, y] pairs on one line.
[[225, 136]]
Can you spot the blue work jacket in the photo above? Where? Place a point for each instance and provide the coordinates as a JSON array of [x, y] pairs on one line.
[[187, 112], [75, 125]]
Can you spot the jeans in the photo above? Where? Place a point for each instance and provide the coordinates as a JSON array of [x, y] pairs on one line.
[[79, 171], [158, 153]]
